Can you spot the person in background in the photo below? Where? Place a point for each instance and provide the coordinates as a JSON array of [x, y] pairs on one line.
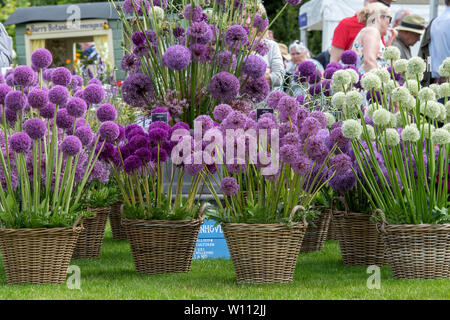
[[399, 16], [409, 32], [274, 60], [347, 30], [88, 53], [285, 54], [7, 53], [440, 42], [369, 45], [299, 53], [324, 58]]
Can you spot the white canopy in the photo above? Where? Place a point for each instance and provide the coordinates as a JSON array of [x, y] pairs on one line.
[[325, 15]]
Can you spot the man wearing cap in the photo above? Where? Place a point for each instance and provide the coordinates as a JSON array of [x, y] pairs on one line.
[[346, 32], [409, 32]]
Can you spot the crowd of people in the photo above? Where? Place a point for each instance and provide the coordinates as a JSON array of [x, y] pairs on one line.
[[368, 33]]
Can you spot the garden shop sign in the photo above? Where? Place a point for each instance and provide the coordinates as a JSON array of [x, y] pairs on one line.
[[57, 27]]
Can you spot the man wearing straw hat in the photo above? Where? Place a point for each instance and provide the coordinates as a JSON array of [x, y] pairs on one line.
[[409, 32]]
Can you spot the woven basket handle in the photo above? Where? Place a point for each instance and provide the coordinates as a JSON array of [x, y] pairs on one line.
[[294, 210], [380, 225], [202, 211], [77, 221], [342, 200]]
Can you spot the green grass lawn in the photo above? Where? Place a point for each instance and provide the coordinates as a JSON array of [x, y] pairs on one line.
[[319, 275]]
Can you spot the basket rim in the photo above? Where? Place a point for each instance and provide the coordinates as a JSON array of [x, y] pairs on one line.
[[420, 227], [264, 225], [41, 230]]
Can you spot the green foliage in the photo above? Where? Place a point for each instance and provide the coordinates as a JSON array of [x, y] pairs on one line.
[[102, 197], [285, 29]]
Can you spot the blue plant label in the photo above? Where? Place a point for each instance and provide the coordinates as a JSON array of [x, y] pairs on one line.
[[209, 230], [164, 117], [261, 111], [211, 248]]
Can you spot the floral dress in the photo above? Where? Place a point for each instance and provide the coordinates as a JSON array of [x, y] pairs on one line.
[[358, 48]]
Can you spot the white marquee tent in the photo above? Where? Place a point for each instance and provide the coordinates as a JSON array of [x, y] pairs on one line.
[[325, 15]]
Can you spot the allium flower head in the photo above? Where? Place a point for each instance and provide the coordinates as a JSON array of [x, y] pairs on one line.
[[341, 78], [132, 163], [20, 142], [58, 95], [349, 57], [229, 186], [221, 112], [106, 112], [400, 94], [391, 53], [440, 136], [35, 128], [256, 90], [48, 111], [353, 98], [381, 117], [400, 65], [226, 60], [411, 133], [254, 66], [260, 22], [24, 76], [370, 81], [274, 98], [84, 133], [15, 101], [138, 90], [306, 69], [76, 107], [93, 94], [200, 32], [63, 119], [351, 129], [392, 137], [235, 120], [426, 94], [157, 135], [194, 13], [236, 36], [130, 63], [416, 65], [431, 109], [330, 118], [4, 90], [109, 131], [71, 146], [289, 154], [41, 58], [61, 76], [224, 86]]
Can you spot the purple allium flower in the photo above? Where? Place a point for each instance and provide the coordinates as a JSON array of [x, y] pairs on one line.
[[138, 90], [221, 112], [349, 57], [234, 120], [95, 81], [93, 94], [289, 154], [288, 108], [58, 95], [200, 32], [132, 127], [260, 23], [84, 133], [158, 152], [160, 125], [374, 96], [274, 98], [342, 163], [335, 65], [130, 63], [35, 128], [316, 148], [321, 118], [71, 146], [338, 138], [11, 116], [15, 100], [130, 6], [224, 86], [138, 38], [178, 32], [193, 13], [76, 107], [23, 76], [236, 36], [177, 57], [106, 112], [303, 166], [328, 73], [41, 58], [48, 111], [238, 166], [47, 74], [343, 182], [109, 131], [144, 154], [291, 138], [64, 120], [180, 125], [226, 60], [138, 141], [309, 127], [294, 2], [132, 163], [307, 68], [199, 52], [262, 47], [229, 186], [4, 90], [207, 122], [256, 90], [254, 66], [157, 135], [10, 80], [61, 76], [316, 77], [397, 76], [20, 142], [77, 81]]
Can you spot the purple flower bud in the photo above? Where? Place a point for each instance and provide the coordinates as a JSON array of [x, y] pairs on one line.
[[4, 90], [24, 76], [15, 101], [229, 186], [76, 107], [41, 58], [38, 98], [85, 135], [64, 120], [93, 94], [109, 131], [106, 112], [48, 111], [20, 142], [35, 128], [58, 95], [61, 76], [132, 163]]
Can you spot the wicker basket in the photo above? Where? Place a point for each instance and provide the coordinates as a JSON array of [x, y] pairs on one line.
[[264, 253], [38, 255], [90, 240], [416, 251], [316, 234], [359, 240], [332, 233], [162, 246], [118, 232]]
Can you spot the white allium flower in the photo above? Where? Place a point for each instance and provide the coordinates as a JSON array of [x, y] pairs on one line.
[[336, 87], [338, 100], [341, 78], [444, 69], [400, 94], [413, 76], [330, 118], [381, 117], [157, 12], [442, 112], [410, 103], [426, 94], [444, 90], [370, 109], [411, 133], [440, 136], [446, 127], [351, 110], [416, 65], [353, 98], [351, 129], [370, 81], [392, 137], [400, 65], [428, 129], [391, 53], [413, 87], [393, 121], [353, 75], [383, 74], [389, 87], [435, 88], [447, 108], [430, 109], [370, 133]]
